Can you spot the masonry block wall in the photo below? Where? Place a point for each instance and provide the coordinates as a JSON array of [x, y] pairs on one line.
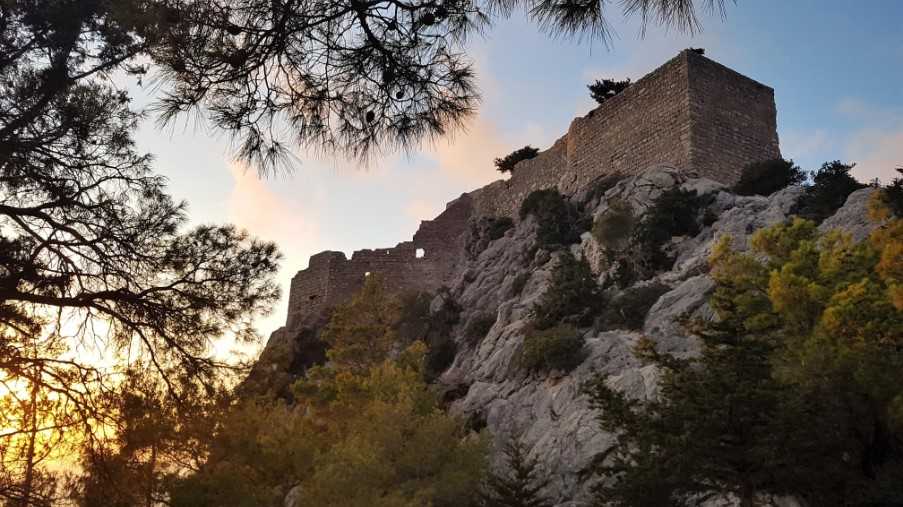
[[424, 264], [691, 113]]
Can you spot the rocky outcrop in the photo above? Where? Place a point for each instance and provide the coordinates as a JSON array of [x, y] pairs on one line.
[[548, 412], [505, 277]]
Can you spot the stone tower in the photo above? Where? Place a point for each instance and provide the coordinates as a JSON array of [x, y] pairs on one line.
[[691, 113]]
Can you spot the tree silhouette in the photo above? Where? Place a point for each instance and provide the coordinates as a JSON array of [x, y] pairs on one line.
[[348, 76], [604, 89], [351, 76], [519, 485], [95, 265]]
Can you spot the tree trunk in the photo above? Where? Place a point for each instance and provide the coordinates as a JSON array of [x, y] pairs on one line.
[[28, 483]]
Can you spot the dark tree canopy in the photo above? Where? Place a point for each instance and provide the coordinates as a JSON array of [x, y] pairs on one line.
[[98, 271], [605, 89], [768, 176], [97, 265], [507, 163], [831, 184], [342, 77], [519, 485]]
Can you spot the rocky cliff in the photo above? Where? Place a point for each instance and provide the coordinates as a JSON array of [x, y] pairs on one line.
[[505, 277]]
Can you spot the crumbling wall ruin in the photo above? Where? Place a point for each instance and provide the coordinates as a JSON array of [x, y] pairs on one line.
[[691, 113], [426, 263]]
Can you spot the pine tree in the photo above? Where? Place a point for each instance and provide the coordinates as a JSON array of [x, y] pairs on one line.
[[519, 485], [796, 391]]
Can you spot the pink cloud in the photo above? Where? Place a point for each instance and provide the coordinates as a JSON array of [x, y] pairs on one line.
[[268, 216], [877, 153]]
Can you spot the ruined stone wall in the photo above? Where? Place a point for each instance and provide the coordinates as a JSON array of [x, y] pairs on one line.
[[733, 120], [691, 114], [424, 264]]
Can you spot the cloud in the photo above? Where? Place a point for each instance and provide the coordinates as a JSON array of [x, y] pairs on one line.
[[877, 146], [467, 156], [803, 145], [254, 206], [876, 153], [421, 209]]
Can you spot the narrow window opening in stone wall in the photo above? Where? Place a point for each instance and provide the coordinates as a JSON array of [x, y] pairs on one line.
[[313, 298], [419, 253]]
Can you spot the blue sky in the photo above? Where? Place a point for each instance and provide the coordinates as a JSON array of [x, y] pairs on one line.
[[836, 67]]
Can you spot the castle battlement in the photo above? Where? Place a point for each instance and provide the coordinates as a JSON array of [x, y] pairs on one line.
[[691, 113]]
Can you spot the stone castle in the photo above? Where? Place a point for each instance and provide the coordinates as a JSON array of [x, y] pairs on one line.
[[691, 113]]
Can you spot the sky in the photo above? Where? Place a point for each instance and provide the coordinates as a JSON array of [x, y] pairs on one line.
[[836, 67]]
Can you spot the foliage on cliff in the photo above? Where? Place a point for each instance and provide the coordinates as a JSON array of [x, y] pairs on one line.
[[573, 297], [559, 222], [367, 431], [507, 163], [797, 390], [556, 348], [363, 330], [519, 484], [831, 185], [768, 176], [637, 246], [604, 89]]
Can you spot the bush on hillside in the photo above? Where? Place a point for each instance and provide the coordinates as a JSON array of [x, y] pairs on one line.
[[556, 348], [674, 213], [559, 222], [831, 185], [497, 227], [613, 229], [893, 195], [478, 327], [414, 319], [768, 176], [573, 297], [629, 309], [507, 163]]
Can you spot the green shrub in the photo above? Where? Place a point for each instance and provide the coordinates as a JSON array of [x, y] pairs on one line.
[[605, 89], [559, 222], [893, 195], [831, 185], [497, 227], [440, 355], [629, 309], [556, 348], [506, 164], [574, 297], [613, 229], [414, 319], [768, 176], [674, 213], [478, 327]]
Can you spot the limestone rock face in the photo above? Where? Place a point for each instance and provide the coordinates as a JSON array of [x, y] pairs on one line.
[[852, 217], [505, 277], [548, 412]]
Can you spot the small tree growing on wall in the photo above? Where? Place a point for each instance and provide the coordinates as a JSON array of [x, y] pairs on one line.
[[506, 164], [605, 89]]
